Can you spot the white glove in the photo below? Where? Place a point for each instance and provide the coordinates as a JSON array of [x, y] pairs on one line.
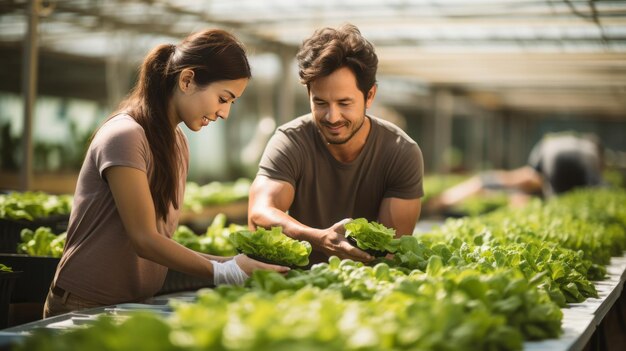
[[228, 273]]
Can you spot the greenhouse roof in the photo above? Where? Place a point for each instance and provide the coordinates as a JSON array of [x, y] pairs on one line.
[[514, 54]]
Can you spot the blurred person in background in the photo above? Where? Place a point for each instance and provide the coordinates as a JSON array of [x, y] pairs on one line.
[[338, 162], [130, 187], [558, 163]]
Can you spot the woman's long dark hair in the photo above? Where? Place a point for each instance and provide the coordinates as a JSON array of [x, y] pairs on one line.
[[213, 55]]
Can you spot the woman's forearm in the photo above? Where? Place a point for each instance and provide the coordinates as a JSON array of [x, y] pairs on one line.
[[171, 254]]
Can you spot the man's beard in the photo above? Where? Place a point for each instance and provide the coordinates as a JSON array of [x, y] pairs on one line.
[[343, 141]]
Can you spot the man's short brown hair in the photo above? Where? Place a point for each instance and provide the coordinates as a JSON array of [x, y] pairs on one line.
[[329, 49]]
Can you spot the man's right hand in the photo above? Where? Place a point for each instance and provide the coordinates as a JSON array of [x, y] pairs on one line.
[[334, 243]]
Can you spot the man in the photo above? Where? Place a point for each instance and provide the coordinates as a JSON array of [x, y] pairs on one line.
[[558, 163], [337, 163], [566, 161]]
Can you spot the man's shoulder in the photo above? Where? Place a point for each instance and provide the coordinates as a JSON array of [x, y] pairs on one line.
[[298, 124], [390, 131]]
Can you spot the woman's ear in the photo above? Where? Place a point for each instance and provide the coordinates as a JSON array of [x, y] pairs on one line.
[[185, 80]]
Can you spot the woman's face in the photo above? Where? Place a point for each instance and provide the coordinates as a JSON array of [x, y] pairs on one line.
[[198, 106]]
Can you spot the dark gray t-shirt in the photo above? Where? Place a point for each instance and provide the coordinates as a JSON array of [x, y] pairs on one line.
[[566, 162], [327, 190]]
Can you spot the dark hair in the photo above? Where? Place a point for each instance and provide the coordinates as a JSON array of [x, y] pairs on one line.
[[330, 49], [213, 55]]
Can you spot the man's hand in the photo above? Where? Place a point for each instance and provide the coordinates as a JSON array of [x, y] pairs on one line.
[[334, 243]]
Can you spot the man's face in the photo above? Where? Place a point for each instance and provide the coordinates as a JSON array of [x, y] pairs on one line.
[[338, 106]]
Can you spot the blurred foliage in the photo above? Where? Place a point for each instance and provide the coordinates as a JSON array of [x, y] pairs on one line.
[[66, 155], [614, 177], [215, 193], [215, 241], [481, 204], [31, 205], [41, 242], [436, 184]]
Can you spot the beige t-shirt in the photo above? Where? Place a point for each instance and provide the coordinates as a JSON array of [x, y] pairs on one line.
[[327, 190], [99, 262]]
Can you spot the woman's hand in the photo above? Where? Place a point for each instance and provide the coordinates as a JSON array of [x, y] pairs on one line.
[[249, 265]]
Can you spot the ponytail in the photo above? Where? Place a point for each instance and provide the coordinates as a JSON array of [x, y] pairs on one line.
[[213, 55]]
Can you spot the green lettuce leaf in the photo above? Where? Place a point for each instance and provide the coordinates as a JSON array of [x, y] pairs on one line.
[[272, 245], [370, 235]]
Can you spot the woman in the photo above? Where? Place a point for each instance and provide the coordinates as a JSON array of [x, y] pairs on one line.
[[130, 187]]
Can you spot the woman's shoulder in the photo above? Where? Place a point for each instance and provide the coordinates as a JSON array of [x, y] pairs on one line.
[[121, 124], [122, 121], [120, 128]]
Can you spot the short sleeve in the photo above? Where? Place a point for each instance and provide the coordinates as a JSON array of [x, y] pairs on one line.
[[280, 160], [407, 173], [120, 142]]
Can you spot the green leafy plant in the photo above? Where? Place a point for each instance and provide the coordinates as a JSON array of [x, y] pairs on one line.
[[272, 245], [32, 205], [198, 197], [216, 240], [370, 236], [487, 283], [41, 242], [4, 268]]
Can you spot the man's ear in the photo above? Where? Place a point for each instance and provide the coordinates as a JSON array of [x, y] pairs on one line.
[[185, 80], [370, 96]]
